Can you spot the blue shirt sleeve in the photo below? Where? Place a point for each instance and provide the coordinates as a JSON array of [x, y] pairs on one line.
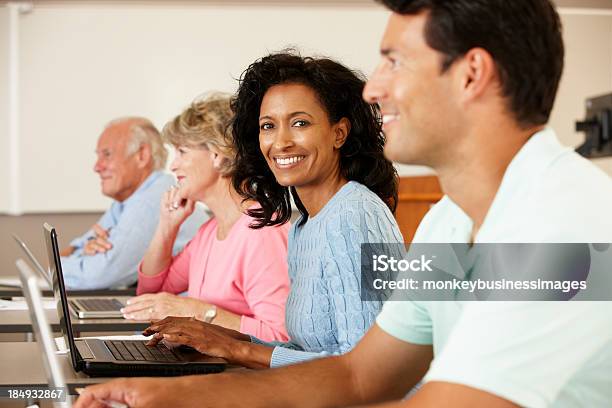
[[359, 222], [106, 222], [130, 238]]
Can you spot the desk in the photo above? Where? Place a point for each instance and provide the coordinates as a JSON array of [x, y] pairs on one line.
[[10, 291], [18, 321], [22, 366]]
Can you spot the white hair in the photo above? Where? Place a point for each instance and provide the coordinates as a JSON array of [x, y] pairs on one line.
[[142, 131]]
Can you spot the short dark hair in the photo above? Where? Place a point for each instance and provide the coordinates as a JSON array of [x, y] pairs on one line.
[[339, 91], [524, 38]]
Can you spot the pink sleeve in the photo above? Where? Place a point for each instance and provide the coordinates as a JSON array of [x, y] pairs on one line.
[[173, 279], [266, 284]]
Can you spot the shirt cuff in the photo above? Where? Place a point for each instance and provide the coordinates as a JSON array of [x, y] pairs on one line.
[[282, 356]]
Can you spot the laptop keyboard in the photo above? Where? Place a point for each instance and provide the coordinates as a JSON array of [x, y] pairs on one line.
[[138, 351], [101, 305]]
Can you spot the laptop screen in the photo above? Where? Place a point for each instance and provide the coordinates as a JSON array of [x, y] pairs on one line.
[[40, 325], [59, 291], [39, 268]]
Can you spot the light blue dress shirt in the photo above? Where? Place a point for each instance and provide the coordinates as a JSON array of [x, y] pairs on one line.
[[132, 224]]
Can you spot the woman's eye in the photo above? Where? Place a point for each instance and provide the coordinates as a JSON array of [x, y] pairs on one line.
[[266, 126], [300, 123]]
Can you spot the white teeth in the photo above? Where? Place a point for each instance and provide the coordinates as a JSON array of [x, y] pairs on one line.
[[389, 118], [283, 161]]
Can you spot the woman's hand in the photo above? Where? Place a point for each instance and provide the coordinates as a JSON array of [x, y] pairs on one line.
[[175, 208], [209, 339], [155, 306]]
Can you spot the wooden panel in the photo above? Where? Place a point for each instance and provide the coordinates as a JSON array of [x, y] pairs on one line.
[[416, 196]]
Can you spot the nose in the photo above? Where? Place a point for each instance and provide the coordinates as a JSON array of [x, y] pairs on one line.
[[283, 138], [175, 164], [375, 90], [99, 165]]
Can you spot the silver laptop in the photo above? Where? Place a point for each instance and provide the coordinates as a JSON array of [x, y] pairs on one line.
[[42, 329], [45, 274], [84, 308]]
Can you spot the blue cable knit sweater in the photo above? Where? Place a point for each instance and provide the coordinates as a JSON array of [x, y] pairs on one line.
[[325, 314]]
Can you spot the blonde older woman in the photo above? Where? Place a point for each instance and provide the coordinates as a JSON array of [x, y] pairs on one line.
[[235, 276]]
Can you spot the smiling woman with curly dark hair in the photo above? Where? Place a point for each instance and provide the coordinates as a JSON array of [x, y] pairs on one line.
[[302, 129], [338, 90]]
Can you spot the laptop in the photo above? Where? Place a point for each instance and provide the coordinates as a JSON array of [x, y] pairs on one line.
[[42, 330], [37, 266], [84, 308], [112, 358]]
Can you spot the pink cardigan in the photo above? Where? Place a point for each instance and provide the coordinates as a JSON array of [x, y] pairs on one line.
[[245, 274]]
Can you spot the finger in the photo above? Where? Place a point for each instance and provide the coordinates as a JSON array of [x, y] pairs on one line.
[[155, 340], [141, 311], [145, 315], [157, 324], [113, 390], [165, 202], [100, 232], [180, 198], [87, 250], [95, 247], [137, 307], [104, 243], [148, 297], [172, 198], [174, 340], [168, 321], [171, 345]]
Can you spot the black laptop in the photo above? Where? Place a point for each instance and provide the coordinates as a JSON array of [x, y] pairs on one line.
[[112, 358]]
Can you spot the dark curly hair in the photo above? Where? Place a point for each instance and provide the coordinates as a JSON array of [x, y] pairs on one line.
[[339, 91]]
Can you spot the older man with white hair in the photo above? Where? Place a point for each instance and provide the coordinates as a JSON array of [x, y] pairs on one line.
[[130, 161]]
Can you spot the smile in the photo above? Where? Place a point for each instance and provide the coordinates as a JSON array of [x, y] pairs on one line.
[[386, 119], [285, 162]]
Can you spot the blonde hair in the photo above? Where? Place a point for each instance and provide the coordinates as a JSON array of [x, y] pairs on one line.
[[143, 131], [205, 124]]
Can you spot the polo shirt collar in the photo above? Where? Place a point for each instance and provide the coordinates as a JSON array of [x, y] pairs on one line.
[[521, 176]]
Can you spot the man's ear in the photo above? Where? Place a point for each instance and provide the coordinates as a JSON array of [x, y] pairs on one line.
[[144, 155], [477, 72], [341, 132]]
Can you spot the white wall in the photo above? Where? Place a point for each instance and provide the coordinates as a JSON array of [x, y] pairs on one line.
[[83, 64]]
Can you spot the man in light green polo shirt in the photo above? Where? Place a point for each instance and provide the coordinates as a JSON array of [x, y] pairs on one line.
[[466, 87]]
